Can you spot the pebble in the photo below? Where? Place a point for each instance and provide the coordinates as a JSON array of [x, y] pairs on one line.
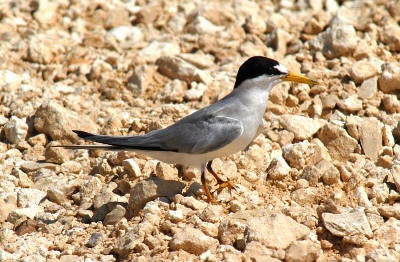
[[351, 104], [155, 49], [302, 127], [150, 189], [177, 68], [391, 104], [303, 250], [193, 241], [339, 144], [58, 122], [349, 223], [278, 168], [371, 137], [131, 167], [389, 80], [390, 35], [28, 197], [368, 88], [16, 130], [362, 70]]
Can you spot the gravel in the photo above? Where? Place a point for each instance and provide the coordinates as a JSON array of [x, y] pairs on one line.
[[320, 182]]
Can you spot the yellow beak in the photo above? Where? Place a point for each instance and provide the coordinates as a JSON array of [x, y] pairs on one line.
[[298, 79]]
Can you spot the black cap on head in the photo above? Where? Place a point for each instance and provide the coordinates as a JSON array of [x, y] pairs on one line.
[[256, 66]]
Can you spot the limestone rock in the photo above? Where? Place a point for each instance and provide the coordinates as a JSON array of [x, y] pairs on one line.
[[339, 144], [150, 189], [390, 78], [175, 67], [302, 127], [350, 223], [16, 130], [303, 250], [58, 122], [368, 88], [371, 137], [362, 70], [192, 240]]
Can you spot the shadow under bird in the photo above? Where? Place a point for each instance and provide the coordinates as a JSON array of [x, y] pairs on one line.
[[218, 130]]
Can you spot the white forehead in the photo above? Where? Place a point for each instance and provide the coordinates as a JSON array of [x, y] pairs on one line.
[[281, 69]]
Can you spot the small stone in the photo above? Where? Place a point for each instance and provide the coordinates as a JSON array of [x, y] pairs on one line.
[[56, 196], [201, 25], [175, 215], [353, 222], [329, 101], [131, 167], [199, 60], [339, 144], [329, 173], [156, 49], [46, 14], [368, 88], [351, 103], [193, 241], [175, 67], [193, 203], [390, 35], [16, 130], [174, 91], [195, 92], [380, 192], [150, 189], [166, 171], [127, 36], [303, 250], [389, 233], [336, 41], [391, 104], [390, 78], [362, 70], [58, 122], [94, 239], [28, 197], [371, 137], [302, 127], [389, 211], [115, 215], [278, 168]]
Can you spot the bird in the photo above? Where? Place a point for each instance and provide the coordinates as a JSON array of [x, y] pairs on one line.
[[218, 130]]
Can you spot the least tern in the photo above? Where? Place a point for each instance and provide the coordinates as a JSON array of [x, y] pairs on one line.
[[221, 129]]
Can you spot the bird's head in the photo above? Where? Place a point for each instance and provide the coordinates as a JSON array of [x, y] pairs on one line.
[[263, 69]]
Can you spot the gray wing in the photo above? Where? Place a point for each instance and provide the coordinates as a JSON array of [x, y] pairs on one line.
[[193, 135]]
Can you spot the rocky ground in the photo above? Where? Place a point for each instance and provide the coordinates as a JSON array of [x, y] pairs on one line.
[[322, 181]]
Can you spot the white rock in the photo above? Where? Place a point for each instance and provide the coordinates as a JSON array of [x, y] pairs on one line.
[[131, 167], [200, 25], [368, 88], [351, 103], [16, 130], [9, 81], [196, 91], [362, 70], [193, 241], [302, 127], [390, 77], [27, 197], [278, 169], [126, 34], [156, 49], [371, 137], [350, 223]]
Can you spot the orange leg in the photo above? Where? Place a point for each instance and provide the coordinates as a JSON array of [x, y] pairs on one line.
[[222, 184]]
